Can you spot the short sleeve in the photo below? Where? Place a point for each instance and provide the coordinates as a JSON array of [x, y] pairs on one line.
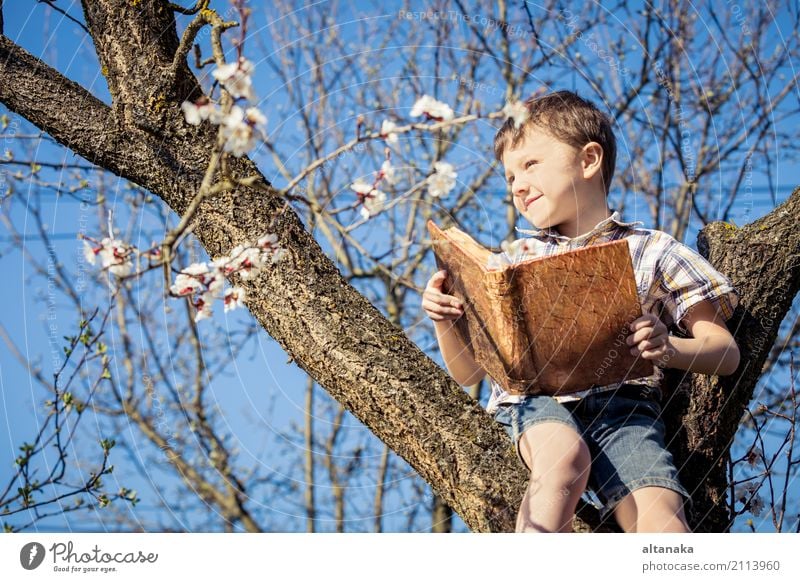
[[686, 278]]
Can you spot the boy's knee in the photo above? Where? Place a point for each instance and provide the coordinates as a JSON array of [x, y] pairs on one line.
[[667, 522], [572, 465], [556, 455], [652, 510]]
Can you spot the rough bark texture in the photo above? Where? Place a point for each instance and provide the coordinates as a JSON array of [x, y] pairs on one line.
[[330, 330], [763, 261]]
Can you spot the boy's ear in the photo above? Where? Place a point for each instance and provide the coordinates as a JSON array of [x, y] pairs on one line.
[[591, 159]]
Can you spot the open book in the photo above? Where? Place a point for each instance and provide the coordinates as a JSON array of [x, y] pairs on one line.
[[544, 325]]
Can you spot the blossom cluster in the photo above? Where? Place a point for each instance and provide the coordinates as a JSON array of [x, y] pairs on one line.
[[425, 105], [442, 181], [115, 255], [203, 282], [368, 193], [200, 282], [241, 126], [747, 494], [432, 109]]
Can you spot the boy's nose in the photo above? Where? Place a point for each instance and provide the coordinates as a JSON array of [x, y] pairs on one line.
[[521, 190]]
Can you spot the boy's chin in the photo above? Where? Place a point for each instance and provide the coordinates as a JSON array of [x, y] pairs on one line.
[[540, 224], [540, 220]]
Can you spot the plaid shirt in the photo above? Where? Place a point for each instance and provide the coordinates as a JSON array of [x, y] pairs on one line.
[[670, 278]]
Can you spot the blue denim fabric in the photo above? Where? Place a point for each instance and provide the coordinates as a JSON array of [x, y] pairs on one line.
[[625, 436]]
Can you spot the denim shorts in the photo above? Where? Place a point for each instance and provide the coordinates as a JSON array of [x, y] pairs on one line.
[[625, 436]]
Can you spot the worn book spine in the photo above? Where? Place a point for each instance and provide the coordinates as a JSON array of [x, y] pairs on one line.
[[492, 325], [517, 352]]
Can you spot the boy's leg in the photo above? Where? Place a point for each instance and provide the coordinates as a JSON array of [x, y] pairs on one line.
[[652, 509], [559, 463], [633, 472]]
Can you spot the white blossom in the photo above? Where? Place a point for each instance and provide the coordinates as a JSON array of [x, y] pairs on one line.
[[238, 135], [234, 298], [746, 494], [516, 249], [196, 269], [387, 131], [203, 310], [204, 282], [88, 252], [255, 118], [191, 113], [215, 282], [278, 254], [236, 78], [223, 266], [200, 110], [361, 186], [754, 455], [185, 285], [250, 262], [372, 198], [442, 181], [116, 256], [373, 203], [387, 172], [517, 111], [512, 252], [238, 129], [433, 108], [756, 505], [268, 241], [270, 248]]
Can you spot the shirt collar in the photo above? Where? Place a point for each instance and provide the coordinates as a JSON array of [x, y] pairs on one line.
[[606, 225]]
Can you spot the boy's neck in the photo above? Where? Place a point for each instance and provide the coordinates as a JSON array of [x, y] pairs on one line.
[[584, 222]]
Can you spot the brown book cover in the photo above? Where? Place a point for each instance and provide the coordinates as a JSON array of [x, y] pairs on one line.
[[545, 325]]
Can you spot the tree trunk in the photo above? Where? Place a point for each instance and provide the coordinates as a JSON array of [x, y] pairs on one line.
[[762, 260]]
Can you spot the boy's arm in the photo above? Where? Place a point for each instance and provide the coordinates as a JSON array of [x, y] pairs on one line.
[[710, 350], [458, 357], [444, 310]]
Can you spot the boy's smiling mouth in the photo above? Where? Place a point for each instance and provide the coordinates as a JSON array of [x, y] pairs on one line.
[[532, 199]]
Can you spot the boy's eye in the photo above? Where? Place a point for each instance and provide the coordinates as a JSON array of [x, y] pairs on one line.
[[528, 164]]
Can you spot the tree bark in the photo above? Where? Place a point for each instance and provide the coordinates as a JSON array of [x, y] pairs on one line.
[[762, 260], [328, 328]]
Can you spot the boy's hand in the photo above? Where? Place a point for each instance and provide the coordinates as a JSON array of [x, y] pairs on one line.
[[439, 306], [649, 338]]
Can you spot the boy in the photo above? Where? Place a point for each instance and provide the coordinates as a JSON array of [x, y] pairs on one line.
[[559, 164]]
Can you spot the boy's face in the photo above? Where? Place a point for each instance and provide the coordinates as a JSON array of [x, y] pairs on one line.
[[546, 179]]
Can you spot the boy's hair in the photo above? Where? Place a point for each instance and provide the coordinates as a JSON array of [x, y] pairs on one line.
[[568, 118]]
